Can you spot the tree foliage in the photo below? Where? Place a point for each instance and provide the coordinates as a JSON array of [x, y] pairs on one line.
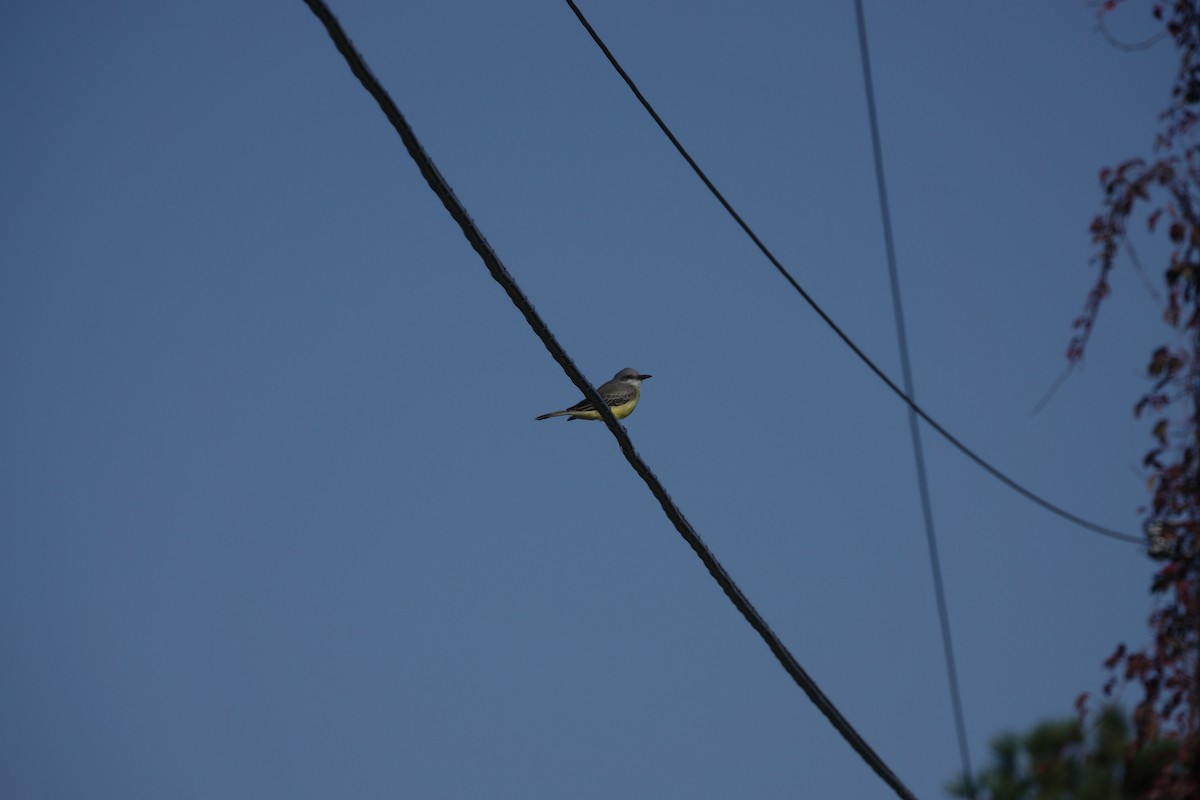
[[1156, 754], [1068, 759], [1162, 192]]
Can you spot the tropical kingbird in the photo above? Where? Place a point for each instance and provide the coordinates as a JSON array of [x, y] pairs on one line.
[[621, 394]]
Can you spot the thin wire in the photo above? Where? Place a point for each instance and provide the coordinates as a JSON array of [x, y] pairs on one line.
[[438, 184], [914, 425], [968, 452]]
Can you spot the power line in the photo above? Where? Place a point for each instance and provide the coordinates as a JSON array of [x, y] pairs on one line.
[[971, 454], [914, 426], [438, 184]]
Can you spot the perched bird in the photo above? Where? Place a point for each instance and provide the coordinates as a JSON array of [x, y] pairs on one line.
[[621, 394]]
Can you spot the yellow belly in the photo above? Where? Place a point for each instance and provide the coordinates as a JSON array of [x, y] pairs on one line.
[[620, 412]]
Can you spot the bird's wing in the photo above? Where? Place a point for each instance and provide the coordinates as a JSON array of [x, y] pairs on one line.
[[617, 394], [614, 393]]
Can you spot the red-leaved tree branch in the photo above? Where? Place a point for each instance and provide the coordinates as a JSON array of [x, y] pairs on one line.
[[1163, 193]]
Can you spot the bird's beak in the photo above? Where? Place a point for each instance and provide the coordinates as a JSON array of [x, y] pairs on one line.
[[643, 377]]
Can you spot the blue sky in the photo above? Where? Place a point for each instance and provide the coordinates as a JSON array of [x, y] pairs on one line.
[[278, 519]]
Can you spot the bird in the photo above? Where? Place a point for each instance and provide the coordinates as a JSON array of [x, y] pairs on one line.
[[621, 394]]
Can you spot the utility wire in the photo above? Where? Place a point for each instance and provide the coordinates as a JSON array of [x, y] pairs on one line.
[[914, 425], [438, 184], [971, 454]]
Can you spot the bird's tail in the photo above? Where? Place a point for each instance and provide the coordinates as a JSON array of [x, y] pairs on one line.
[[553, 414]]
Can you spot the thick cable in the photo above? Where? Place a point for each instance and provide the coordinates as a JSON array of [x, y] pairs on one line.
[[971, 454], [438, 184], [914, 425]]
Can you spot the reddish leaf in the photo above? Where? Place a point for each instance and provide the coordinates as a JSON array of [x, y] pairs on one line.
[[1160, 432], [1112, 660]]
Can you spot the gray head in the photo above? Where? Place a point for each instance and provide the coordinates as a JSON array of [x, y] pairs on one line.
[[629, 375]]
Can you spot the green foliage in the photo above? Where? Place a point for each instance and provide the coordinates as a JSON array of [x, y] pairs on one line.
[[1069, 760]]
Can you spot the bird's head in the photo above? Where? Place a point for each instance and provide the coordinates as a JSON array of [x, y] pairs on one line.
[[629, 375]]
